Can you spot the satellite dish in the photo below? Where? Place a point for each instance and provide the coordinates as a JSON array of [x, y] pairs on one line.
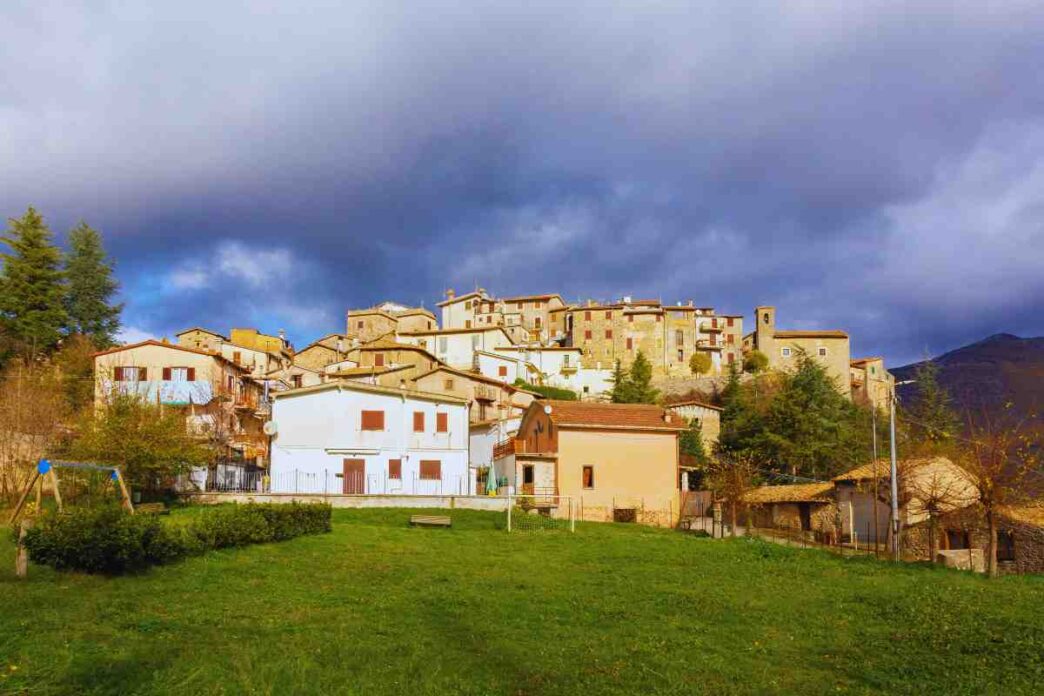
[[270, 428], [547, 409]]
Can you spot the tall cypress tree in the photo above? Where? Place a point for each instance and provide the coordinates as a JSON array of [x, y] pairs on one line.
[[31, 292], [91, 286], [641, 380], [930, 419]]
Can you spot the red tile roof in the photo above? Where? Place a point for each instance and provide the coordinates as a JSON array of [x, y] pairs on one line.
[[588, 414]]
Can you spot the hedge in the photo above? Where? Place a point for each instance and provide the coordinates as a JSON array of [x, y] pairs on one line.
[[108, 540]]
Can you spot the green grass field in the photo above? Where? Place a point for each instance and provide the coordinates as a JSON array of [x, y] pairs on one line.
[[377, 607]]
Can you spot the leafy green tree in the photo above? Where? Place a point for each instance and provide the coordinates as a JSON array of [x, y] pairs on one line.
[[150, 444], [930, 422], [755, 361], [547, 391], [90, 288], [31, 292], [700, 363]]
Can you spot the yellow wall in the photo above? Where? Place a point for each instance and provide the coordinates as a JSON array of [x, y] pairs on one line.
[[630, 468], [252, 338]]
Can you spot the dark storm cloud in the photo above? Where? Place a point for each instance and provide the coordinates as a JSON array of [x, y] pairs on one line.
[[870, 166]]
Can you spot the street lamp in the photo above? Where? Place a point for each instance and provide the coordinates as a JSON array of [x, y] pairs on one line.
[[895, 470]]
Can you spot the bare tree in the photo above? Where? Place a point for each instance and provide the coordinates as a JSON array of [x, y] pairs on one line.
[[1000, 459], [33, 413], [731, 476]]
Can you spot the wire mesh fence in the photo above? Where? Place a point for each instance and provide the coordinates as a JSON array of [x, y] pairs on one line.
[[540, 512], [238, 479]]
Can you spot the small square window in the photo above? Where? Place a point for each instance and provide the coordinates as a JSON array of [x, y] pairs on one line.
[[822, 352], [785, 352]]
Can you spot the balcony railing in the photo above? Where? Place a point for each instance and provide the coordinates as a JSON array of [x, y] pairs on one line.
[[485, 393]]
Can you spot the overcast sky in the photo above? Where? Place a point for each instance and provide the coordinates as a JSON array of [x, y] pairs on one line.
[[876, 167]]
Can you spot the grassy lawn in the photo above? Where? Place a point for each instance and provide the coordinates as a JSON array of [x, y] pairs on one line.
[[377, 607]]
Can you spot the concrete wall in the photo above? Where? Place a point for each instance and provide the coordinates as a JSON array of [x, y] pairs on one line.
[[357, 501]]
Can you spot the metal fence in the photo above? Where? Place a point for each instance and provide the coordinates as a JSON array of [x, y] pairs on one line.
[[330, 482]]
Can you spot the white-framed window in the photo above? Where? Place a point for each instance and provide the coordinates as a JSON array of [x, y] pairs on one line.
[[822, 352], [785, 352], [179, 374]]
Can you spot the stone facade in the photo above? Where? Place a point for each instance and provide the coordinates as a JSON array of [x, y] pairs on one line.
[[782, 348]]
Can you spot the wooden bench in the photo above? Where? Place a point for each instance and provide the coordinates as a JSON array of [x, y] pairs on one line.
[[430, 521], [152, 509]]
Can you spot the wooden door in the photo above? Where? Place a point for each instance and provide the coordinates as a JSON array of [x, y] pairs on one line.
[[354, 476]]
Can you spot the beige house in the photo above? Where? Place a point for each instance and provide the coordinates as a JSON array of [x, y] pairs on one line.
[[721, 337], [219, 398], [201, 339], [489, 398], [457, 347], [331, 348], [262, 355], [706, 415], [872, 384], [925, 485], [782, 348], [534, 314], [387, 319], [615, 461]]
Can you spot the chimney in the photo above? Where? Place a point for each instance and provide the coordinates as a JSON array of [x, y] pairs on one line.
[[282, 335], [450, 294]]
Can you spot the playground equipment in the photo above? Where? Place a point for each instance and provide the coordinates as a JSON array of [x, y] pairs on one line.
[[46, 467]]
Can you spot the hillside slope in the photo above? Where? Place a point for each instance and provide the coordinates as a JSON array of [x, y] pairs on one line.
[[988, 374]]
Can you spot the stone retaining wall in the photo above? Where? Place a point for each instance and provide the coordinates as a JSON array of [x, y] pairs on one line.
[[463, 502]]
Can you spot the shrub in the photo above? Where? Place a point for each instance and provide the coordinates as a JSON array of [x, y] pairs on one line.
[[102, 540], [110, 541], [547, 391]]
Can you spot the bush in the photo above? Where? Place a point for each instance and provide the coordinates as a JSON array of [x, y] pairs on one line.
[[102, 540], [110, 541], [546, 391]]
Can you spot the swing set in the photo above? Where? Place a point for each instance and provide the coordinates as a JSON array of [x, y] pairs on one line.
[[48, 468]]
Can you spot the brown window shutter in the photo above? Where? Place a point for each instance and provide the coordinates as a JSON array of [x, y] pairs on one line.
[[192, 374], [378, 359], [117, 374], [630, 344], [166, 374], [395, 468], [608, 333], [442, 422], [142, 374], [502, 370], [372, 420], [430, 469], [418, 421]]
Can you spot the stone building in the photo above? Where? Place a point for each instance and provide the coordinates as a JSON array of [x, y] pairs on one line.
[[607, 333], [782, 347], [387, 318], [872, 384], [330, 349], [721, 337]]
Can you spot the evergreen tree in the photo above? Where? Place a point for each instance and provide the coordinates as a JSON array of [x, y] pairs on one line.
[[31, 292], [930, 421], [742, 423], [621, 392], [812, 430], [641, 388], [691, 442], [91, 286]]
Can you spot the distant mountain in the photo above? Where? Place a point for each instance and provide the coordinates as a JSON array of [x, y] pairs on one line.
[[988, 374]]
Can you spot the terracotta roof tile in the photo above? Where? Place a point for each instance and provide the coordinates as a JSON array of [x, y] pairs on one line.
[[594, 414], [797, 493]]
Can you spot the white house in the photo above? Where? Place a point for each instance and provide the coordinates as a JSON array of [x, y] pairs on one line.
[[457, 347], [560, 367], [355, 438]]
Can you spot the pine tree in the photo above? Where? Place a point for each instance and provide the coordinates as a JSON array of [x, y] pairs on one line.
[[930, 420], [621, 392], [742, 424], [91, 286], [31, 292], [642, 391], [691, 442]]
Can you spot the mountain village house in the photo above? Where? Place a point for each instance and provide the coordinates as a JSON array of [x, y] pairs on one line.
[[352, 438]]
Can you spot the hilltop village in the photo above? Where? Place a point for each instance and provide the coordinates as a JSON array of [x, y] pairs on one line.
[[407, 401]]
